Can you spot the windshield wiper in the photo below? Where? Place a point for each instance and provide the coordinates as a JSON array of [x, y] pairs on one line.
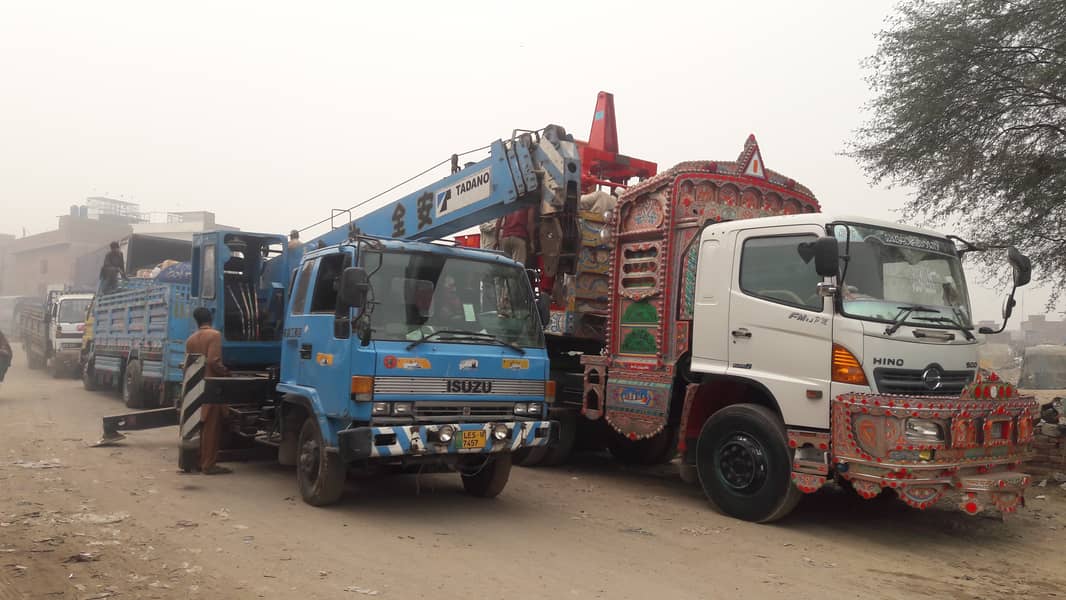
[[904, 312], [956, 323], [488, 337], [456, 334]]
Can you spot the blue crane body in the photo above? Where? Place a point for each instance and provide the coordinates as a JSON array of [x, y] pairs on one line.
[[371, 345]]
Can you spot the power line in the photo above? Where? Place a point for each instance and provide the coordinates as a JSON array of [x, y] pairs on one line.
[[401, 184]]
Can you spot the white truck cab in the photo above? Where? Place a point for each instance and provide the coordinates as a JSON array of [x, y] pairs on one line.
[[899, 324]]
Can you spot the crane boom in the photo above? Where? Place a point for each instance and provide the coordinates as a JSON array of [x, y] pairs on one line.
[[532, 167]]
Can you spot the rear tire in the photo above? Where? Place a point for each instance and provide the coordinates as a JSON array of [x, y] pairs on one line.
[[133, 386], [745, 465], [88, 376], [490, 480], [319, 474]]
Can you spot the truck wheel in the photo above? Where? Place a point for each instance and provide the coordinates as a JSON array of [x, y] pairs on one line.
[[132, 386], [744, 463], [490, 479], [88, 376], [656, 450], [320, 474]]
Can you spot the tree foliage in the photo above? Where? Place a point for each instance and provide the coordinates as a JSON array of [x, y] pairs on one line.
[[969, 109]]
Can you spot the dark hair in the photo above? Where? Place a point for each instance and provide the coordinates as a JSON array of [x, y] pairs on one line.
[[114, 245], [295, 235], [203, 316]]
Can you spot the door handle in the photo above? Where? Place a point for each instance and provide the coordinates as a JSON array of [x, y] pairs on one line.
[[741, 333], [305, 351]]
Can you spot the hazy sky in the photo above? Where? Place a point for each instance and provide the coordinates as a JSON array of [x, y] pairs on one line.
[[270, 115]]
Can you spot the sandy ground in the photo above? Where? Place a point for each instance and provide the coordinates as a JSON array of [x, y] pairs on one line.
[[92, 523]]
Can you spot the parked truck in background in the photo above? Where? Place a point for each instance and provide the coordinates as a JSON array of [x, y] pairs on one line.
[[135, 339], [51, 331]]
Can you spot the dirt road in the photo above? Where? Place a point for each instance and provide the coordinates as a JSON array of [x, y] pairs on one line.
[[93, 523]]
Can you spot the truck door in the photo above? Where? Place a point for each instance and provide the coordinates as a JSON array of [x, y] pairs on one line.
[[780, 329], [325, 343], [296, 328]]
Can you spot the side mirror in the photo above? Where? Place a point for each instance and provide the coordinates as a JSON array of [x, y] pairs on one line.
[[826, 254], [354, 287], [1023, 267]]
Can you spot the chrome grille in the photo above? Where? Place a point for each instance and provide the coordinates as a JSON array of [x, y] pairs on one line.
[[439, 385], [488, 411], [911, 382]]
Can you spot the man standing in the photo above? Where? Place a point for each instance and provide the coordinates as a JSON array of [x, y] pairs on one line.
[[294, 239], [114, 267], [207, 342], [516, 234]]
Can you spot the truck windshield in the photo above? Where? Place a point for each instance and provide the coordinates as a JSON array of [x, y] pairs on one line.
[[73, 311], [417, 294], [891, 271]]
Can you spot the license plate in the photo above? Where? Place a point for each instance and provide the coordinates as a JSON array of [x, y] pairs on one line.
[[473, 439]]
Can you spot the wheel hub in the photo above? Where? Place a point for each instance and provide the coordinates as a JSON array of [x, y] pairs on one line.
[[742, 463]]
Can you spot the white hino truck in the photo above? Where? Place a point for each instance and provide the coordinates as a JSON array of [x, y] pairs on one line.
[[776, 348]]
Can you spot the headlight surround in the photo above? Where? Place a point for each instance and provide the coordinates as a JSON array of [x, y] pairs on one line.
[[521, 408], [924, 430]]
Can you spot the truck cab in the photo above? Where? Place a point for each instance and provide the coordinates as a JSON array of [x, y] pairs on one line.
[[900, 323], [410, 354]]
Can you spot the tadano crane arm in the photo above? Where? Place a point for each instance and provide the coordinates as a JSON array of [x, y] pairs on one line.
[[529, 168]]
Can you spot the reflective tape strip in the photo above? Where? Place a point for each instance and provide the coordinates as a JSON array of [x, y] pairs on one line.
[[192, 394]]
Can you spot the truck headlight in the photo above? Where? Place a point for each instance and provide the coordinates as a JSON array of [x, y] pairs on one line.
[[501, 432], [924, 430], [521, 408], [401, 409], [445, 434], [380, 408], [533, 409]]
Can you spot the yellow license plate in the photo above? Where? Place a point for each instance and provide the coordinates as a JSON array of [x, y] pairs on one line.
[[473, 439]]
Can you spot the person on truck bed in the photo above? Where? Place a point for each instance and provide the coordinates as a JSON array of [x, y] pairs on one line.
[[207, 342], [5, 355], [516, 234], [113, 268]]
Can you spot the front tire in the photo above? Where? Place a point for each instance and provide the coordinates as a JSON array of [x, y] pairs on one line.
[[490, 479], [744, 463], [320, 474]]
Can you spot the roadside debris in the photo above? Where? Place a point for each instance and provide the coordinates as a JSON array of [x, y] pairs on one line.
[[82, 557], [101, 519], [38, 464], [361, 590], [186, 523]]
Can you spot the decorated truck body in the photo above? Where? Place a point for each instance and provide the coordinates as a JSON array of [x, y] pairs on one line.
[[776, 348]]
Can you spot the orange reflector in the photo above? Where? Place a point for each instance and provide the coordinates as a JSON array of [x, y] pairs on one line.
[[549, 391], [362, 388], [846, 368]]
